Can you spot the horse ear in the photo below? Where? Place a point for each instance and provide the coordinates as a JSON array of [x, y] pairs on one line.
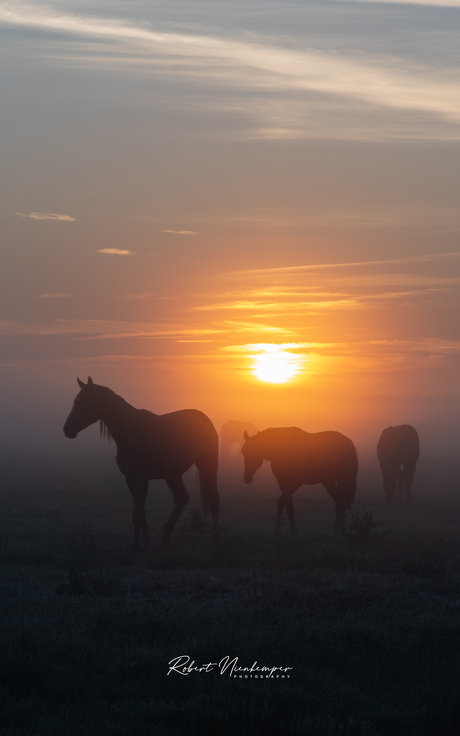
[[80, 383], [245, 435], [90, 381]]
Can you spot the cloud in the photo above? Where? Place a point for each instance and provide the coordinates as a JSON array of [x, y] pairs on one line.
[[431, 257], [280, 306], [182, 232], [236, 326], [328, 358], [46, 216], [250, 62], [53, 296], [116, 252], [88, 329], [433, 3], [269, 347]]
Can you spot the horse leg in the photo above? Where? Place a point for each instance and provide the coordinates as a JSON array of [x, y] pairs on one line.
[[408, 476], [281, 505], [139, 488], [340, 510], [207, 472], [286, 501], [400, 480], [290, 512], [331, 487], [181, 498]]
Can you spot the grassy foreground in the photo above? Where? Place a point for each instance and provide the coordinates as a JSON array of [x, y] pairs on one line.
[[371, 630]]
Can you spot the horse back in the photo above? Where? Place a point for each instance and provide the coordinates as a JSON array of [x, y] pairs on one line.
[[332, 450], [168, 444], [314, 457], [398, 445]]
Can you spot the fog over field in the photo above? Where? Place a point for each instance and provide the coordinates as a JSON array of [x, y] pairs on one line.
[[249, 209]]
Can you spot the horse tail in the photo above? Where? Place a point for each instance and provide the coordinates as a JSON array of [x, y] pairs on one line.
[[206, 464]]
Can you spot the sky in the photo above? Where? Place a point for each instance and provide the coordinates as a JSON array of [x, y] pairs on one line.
[[187, 188]]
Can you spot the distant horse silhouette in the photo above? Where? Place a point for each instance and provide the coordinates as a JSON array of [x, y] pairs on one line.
[[298, 457], [152, 446], [232, 432], [398, 446]]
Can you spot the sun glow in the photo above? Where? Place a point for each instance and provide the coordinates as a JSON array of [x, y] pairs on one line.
[[276, 365]]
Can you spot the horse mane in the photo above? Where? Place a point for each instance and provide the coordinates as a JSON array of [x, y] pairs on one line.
[[104, 430], [107, 394]]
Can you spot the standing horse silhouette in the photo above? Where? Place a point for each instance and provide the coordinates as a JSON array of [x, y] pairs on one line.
[[398, 446], [298, 457], [152, 446], [232, 433]]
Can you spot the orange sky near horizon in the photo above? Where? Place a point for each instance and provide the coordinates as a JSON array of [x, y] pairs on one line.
[[361, 333], [189, 187]]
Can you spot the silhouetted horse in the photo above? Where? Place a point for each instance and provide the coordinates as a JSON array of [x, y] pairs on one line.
[[298, 457], [398, 446], [232, 433], [152, 446]]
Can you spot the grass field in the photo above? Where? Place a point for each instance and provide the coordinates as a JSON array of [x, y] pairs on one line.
[[370, 630]]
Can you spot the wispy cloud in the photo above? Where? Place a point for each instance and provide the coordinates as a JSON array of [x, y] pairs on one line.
[[58, 295], [280, 306], [102, 329], [254, 327], [115, 252], [46, 216], [427, 258], [433, 3], [328, 358], [251, 62], [267, 346], [182, 232]]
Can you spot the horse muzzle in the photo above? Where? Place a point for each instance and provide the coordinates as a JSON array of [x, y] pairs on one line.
[[69, 432], [248, 478]]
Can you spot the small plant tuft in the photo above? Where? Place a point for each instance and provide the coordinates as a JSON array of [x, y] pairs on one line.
[[103, 588], [85, 541], [196, 523], [361, 529], [75, 586]]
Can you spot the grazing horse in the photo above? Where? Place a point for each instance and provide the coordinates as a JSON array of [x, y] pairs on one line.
[[398, 446], [232, 433], [152, 446], [298, 457]]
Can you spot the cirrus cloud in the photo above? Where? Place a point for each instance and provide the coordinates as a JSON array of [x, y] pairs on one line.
[[293, 84], [115, 252], [182, 232], [46, 216]]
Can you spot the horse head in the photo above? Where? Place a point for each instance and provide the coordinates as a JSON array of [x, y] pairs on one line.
[[85, 410], [253, 456]]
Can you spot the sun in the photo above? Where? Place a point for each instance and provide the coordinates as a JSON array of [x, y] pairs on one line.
[[276, 365]]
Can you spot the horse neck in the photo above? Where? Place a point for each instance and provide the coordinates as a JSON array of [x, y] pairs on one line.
[[115, 413], [268, 444]]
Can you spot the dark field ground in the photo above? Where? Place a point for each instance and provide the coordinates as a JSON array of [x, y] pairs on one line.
[[371, 629]]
